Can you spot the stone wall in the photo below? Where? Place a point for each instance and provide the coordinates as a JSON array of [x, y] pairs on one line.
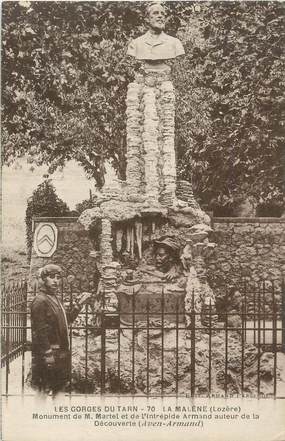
[[252, 247], [72, 254]]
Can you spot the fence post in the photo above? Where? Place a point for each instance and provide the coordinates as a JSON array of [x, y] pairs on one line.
[[86, 347], [226, 351], [210, 348], [70, 337], [7, 342], [23, 321], [177, 346], [103, 345], [243, 339], [274, 339], [119, 344], [258, 337], [162, 341], [193, 317], [147, 346], [133, 340], [4, 322], [283, 315]]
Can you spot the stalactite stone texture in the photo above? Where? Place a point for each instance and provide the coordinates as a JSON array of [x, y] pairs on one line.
[[151, 164]]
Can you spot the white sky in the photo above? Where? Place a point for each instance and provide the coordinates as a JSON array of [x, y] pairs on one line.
[[19, 182]]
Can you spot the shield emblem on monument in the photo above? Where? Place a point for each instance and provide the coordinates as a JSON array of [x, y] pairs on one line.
[[45, 239]]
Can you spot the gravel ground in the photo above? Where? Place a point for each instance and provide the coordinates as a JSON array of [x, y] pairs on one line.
[[18, 367]]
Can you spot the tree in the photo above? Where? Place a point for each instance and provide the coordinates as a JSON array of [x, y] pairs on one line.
[[65, 76], [43, 202], [64, 83], [237, 87]]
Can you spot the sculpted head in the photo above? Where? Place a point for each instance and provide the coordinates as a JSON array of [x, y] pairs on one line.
[[166, 253], [156, 17], [155, 46]]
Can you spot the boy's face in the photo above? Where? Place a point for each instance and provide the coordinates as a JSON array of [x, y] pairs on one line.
[[52, 282]]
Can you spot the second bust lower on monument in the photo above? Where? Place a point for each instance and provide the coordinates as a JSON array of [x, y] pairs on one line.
[[155, 45]]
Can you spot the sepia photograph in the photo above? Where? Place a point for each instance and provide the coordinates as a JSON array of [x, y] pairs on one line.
[[143, 220]]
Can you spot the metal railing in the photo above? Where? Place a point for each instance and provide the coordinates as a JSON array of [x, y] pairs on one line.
[[13, 325], [259, 322]]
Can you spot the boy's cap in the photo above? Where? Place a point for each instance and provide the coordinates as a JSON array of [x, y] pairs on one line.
[[49, 269]]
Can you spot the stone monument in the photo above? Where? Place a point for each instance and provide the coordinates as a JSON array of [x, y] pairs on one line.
[[152, 235], [147, 204]]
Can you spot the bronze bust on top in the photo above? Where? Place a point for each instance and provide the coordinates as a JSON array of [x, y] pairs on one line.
[[155, 45]]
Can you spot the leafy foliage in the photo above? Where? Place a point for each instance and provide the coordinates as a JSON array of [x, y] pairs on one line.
[[85, 204], [43, 202], [65, 76], [233, 82], [64, 81]]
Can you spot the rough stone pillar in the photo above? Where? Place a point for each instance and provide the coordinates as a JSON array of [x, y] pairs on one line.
[[150, 143], [198, 292], [106, 239], [109, 285], [151, 168], [135, 174], [167, 106]]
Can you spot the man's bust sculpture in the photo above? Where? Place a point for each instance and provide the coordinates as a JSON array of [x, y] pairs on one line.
[[164, 279], [166, 267], [155, 46]]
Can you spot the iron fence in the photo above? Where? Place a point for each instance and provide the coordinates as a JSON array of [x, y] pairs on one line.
[[13, 324], [167, 361]]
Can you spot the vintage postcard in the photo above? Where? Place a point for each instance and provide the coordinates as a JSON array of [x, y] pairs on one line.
[[143, 221]]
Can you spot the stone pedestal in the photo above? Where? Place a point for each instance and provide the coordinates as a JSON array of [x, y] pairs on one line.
[[156, 302], [151, 165]]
